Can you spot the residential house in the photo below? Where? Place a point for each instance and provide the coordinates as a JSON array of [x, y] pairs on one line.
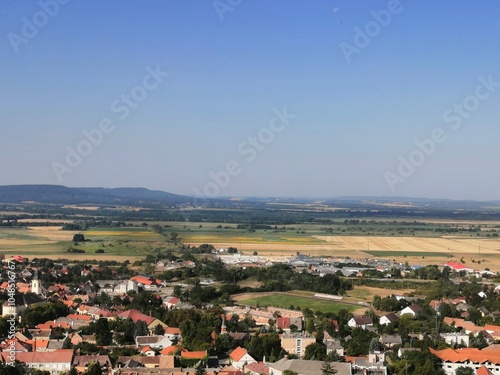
[[456, 338], [154, 341], [78, 338], [172, 333], [285, 323], [257, 368], [390, 340], [452, 359], [413, 310], [332, 344], [54, 362], [148, 351], [239, 358], [171, 302], [147, 282], [388, 319], [82, 362], [302, 367], [136, 315], [371, 365], [360, 321], [484, 311]]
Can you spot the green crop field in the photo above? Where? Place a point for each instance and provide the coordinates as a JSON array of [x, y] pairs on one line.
[[124, 234]]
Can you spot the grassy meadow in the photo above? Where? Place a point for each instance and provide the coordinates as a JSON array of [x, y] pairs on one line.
[[286, 300]]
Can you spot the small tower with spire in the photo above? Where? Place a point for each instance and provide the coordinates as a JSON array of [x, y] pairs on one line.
[[35, 284], [223, 328]]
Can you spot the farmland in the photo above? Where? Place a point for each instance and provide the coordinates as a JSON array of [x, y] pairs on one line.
[[273, 230], [51, 241]]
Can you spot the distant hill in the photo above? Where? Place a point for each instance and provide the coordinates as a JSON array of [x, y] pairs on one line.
[[56, 194]]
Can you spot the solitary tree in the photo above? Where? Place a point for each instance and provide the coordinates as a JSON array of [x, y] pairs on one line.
[[103, 335], [78, 237], [93, 369], [200, 370], [327, 369]]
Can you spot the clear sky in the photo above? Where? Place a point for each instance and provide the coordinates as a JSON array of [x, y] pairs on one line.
[[363, 81]]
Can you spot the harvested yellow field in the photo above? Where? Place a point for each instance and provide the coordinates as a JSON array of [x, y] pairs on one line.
[[415, 250], [447, 244], [86, 208], [51, 233]]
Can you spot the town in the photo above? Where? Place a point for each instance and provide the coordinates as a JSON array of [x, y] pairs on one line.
[[186, 316]]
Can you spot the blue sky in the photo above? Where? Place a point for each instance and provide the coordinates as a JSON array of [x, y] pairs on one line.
[[228, 73]]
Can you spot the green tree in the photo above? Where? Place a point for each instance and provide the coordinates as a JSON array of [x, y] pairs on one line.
[[93, 369], [327, 369], [8, 370], [67, 343], [159, 330], [103, 335], [289, 372], [462, 370], [140, 328], [315, 351], [200, 370], [73, 371]]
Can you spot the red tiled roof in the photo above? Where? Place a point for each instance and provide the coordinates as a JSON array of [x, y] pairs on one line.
[[283, 323], [259, 368], [136, 315], [78, 317], [169, 350], [57, 356], [457, 266], [483, 371], [172, 331], [467, 354], [50, 324], [237, 353], [193, 355], [145, 280]]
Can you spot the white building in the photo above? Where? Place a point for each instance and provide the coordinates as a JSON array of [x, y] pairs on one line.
[[473, 358]]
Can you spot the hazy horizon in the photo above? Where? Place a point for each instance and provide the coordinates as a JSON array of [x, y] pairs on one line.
[[253, 98]]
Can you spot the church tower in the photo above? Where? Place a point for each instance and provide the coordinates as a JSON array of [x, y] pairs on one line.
[[35, 284]]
